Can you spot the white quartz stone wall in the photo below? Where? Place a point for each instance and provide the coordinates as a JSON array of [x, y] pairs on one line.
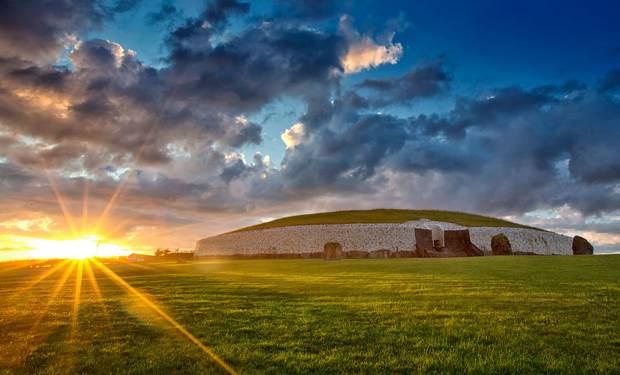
[[369, 237], [310, 238], [522, 239]]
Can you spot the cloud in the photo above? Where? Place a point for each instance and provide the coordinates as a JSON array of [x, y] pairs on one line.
[[28, 225], [174, 132], [113, 102], [465, 159], [364, 52], [13, 178], [219, 10], [422, 81], [293, 136], [99, 54], [41, 29], [198, 31]]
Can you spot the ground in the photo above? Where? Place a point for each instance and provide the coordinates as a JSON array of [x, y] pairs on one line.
[[487, 314], [386, 216]]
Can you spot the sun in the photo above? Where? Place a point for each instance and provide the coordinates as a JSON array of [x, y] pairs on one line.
[[79, 248]]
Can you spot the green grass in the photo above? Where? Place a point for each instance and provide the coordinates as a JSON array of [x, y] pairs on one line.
[[386, 216], [462, 315]]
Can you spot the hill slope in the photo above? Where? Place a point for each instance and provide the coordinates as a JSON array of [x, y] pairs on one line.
[[386, 216]]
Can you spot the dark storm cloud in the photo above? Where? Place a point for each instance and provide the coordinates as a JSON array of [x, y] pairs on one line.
[[98, 55], [114, 102], [218, 11], [513, 150], [257, 66], [126, 110], [344, 156], [197, 31], [420, 82], [46, 77], [42, 28], [233, 171]]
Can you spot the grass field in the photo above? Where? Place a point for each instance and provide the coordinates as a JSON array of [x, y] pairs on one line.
[[479, 315], [386, 216]]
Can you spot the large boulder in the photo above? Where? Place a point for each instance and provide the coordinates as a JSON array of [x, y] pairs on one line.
[[500, 245], [581, 246], [332, 250]]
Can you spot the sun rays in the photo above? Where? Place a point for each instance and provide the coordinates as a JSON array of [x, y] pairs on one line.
[[79, 253], [77, 296], [78, 269], [159, 311]]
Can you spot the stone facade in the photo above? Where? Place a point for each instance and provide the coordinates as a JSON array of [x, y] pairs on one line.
[[398, 238], [523, 240], [309, 239]]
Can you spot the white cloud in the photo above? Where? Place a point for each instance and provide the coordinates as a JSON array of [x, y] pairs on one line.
[[364, 52], [293, 136]]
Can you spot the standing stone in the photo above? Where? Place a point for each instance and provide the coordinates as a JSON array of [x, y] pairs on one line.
[[581, 246], [332, 250], [456, 241], [423, 242], [500, 245]]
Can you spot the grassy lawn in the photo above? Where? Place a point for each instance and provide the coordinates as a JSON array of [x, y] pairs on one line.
[[460, 315], [386, 216]]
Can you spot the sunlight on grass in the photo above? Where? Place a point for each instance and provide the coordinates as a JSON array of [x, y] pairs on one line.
[[77, 296], [164, 315], [468, 315], [36, 333]]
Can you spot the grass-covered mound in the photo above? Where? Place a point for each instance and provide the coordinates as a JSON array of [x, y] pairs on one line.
[[386, 216]]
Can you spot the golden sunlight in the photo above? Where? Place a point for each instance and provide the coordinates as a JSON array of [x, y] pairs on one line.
[[80, 248]]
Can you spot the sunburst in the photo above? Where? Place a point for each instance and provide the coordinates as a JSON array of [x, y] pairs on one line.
[[80, 250]]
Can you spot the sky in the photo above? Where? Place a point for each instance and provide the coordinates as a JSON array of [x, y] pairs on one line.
[[156, 123]]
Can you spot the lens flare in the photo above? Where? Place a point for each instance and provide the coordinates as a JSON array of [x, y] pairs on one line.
[[80, 248]]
